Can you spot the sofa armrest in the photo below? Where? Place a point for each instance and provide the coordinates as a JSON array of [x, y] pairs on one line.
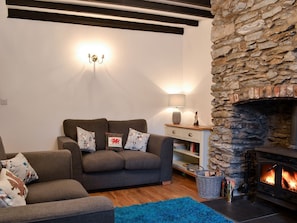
[[65, 142], [87, 209], [49, 165], [162, 146]]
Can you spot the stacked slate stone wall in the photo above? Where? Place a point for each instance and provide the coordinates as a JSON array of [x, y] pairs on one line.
[[254, 72]]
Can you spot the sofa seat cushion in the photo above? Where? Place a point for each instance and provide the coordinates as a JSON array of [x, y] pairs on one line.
[[102, 160], [55, 190], [137, 160]]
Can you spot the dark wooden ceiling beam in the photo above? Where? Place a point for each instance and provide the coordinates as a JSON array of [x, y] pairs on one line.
[[157, 6], [73, 19], [118, 14], [102, 11], [203, 3]]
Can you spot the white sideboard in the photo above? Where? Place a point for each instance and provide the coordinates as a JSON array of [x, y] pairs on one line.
[[190, 146]]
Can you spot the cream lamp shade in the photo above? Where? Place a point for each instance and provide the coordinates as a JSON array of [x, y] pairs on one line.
[[177, 101]]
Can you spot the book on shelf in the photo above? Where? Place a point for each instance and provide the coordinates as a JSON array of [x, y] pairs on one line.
[[194, 148], [185, 145], [179, 145]]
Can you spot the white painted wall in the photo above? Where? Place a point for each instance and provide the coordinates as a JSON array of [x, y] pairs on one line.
[[197, 77], [44, 81]]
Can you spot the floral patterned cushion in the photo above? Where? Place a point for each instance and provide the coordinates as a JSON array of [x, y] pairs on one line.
[[137, 140], [13, 191], [114, 141], [20, 167], [86, 140]]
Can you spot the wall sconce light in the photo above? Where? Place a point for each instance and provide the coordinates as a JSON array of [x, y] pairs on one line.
[[177, 101], [94, 58]]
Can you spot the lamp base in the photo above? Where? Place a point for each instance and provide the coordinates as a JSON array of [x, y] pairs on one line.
[[176, 117]]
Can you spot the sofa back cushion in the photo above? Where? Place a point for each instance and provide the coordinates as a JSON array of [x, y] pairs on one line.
[[123, 127], [99, 126], [2, 151]]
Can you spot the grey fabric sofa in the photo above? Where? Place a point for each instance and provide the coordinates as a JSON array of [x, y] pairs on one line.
[[55, 197], [105, 169]]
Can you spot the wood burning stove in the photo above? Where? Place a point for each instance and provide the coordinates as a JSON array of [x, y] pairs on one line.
[[277, 175]]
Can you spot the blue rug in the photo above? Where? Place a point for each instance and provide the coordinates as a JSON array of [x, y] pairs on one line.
[[180, 210]]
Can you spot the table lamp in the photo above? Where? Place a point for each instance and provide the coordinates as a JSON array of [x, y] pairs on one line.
[[177, 101]]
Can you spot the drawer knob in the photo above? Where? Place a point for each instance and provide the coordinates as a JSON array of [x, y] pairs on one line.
[[173, 132], [190, 134]]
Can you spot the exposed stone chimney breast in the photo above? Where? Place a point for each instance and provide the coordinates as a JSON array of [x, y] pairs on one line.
[[254, 72]]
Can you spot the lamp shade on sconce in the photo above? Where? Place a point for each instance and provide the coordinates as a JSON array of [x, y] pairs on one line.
[[177, 101]]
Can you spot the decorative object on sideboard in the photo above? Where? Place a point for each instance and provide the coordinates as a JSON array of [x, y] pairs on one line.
[[196, 121], [177, 101]]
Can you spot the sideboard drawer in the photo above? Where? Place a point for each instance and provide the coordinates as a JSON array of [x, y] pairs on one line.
[[171, 131], [186, 134]]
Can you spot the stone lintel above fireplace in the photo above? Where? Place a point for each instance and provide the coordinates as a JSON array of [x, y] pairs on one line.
[[285, 91]]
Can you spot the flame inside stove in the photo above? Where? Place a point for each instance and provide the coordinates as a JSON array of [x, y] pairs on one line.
[[268, 177], [289, 180]]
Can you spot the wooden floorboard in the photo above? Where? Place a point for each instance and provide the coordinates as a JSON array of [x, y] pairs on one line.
[[181, 186]]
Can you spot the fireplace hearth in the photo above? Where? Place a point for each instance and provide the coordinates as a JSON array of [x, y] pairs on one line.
[[277, 176]]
